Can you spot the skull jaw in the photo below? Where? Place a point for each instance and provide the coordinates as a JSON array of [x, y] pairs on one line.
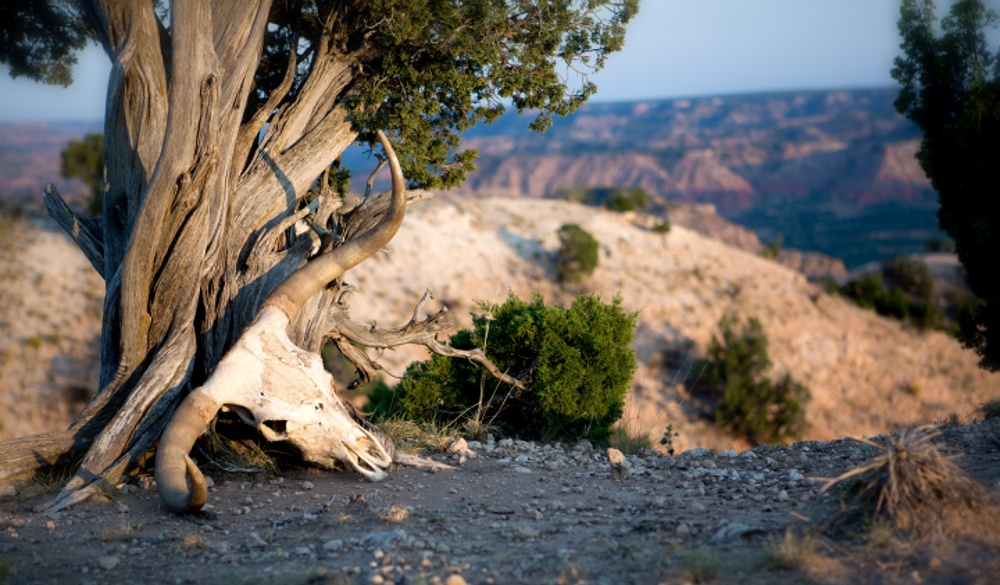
[[332, 436]]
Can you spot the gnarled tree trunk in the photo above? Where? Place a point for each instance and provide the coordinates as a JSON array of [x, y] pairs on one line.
[[201, 203]]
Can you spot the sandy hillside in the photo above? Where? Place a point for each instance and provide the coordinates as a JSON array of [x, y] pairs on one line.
[[50, 315], [867, 374]]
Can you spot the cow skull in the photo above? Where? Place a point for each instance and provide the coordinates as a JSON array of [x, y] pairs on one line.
[[279, 388]]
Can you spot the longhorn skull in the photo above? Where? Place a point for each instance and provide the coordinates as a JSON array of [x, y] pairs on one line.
[[280, 388]]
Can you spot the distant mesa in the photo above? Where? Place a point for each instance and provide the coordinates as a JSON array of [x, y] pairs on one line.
[[900, 165], [699, 176], [547, 175], [821, 169]]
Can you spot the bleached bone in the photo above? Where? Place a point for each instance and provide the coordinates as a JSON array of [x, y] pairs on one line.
[[279, 388]]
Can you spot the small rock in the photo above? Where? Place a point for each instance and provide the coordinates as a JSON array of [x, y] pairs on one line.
[[255, 541], [730, 532], [333, 545], [783, 496], [728, 453], [109, 562], [527, 533], [384, 539], [795, 475], [683, 530], [396, 515], [307, 485], [461, 448], [698, 508], [455, 580], [520, 469], [620, 467]]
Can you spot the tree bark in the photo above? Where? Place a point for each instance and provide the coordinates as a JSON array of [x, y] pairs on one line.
[[199, 227]]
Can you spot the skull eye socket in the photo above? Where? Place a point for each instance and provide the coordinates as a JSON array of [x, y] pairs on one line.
[[276, 428]]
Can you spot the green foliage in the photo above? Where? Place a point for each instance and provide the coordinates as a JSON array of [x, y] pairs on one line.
[[950, 86], [577, 253], [84, 159], [613, 198], [38, 39], [773, 249], [940, 245], [662, 227], [990, 409], [866, 289], [578, 363], [903, 290], [910, 275], [748, 402], [448, 65], [422, 70], [623, 200], [667, 440]]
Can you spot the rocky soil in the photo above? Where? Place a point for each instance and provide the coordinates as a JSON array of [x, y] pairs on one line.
[[515, 512]]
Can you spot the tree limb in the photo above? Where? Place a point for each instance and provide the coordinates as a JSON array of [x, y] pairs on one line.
[[86, 232]]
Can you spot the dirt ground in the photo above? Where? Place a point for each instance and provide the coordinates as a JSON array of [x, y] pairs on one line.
[[517, 512]]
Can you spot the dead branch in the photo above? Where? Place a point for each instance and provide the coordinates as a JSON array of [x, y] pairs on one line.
[[348, 334], [86, 232]]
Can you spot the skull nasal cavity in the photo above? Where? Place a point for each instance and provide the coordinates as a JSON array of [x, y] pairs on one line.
[[278, 426]]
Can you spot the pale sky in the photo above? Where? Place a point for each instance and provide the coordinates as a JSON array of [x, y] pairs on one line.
[[674, 48]]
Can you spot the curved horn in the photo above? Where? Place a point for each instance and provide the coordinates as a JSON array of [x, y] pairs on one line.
[[291, 294], [173, 464]]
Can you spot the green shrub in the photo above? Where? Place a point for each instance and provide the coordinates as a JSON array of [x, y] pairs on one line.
[[893, 304], [910, 275], [578, 363], [622, 200], [84, 159], [662, 227], [990, 409], [865, 289], [747, 401], [907, 297], [577, 253], [940, 245], [613, 198], [772, 250]]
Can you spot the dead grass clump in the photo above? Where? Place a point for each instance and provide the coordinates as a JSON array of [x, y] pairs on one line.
[[231, 455], [797, 549], [917, 488], [630, 441]]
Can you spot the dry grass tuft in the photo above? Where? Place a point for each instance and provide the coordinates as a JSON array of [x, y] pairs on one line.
[[630, 441], [418, 437], [237, 456], [796, 549], [916, 487]]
